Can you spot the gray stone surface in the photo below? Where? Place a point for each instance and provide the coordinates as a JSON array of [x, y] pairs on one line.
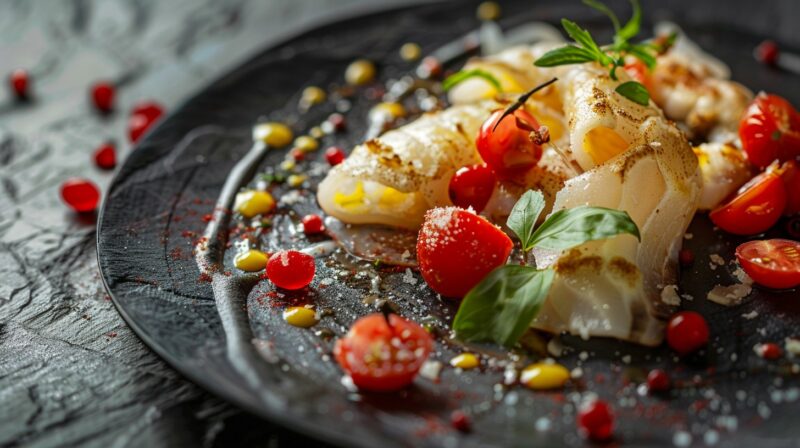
[[71, 371]]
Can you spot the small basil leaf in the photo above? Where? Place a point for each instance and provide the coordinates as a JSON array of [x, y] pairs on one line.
[[581, 36], [631, 29], [605, 10], [635, 92], [524, 215], [501, 307], [565, 56], [571, 227], [463, 75], [642, 53]]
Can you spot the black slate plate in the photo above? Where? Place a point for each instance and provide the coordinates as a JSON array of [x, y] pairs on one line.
[[154, 211]]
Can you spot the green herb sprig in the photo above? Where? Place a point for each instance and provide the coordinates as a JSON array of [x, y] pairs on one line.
[[612, 56], [463, 75], [501, 307]]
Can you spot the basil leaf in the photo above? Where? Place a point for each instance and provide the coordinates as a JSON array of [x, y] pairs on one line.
[[565, 56], [631, 29], [581, 36], [605, 10], [635, 92], [642, 53], [524, 215], [463, 75], [570, 227], [501, 307]]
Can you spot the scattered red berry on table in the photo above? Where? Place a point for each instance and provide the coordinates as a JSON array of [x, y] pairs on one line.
[[298, 155], [658, 381], [105, 157], [142, 117], [596, 420], [312, 224], [80, 194], [19, 82], [767, 52], [290, 269], [383, 352], [686, 257], [338, 122], [456, 249], [687, 331], [769, 350], [334, 155], [472, 186], [460, 421], [103, 96]]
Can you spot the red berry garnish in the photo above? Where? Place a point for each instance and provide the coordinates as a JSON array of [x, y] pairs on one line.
[[80, 194], [686, 257], [334, 155], [312, 224], [149, 109], [105, 157], [103, 96], [460, 421], [290, 269], [658, 381], [338, 122], [769, 350], [19, 83], [687, 331], [472, 186], [430, 67], [595, 420], [298, 155], [767, 52], [137, 126]]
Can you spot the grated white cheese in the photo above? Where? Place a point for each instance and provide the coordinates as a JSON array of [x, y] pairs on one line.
[[729, 295], [669, 295]]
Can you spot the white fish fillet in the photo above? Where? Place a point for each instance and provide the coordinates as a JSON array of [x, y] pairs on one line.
[[724, 170]]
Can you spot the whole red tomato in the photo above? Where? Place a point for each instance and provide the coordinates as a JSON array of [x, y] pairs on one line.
[[770, 130], [507, 147]]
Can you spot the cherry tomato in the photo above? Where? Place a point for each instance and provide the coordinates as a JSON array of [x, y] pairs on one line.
[[312, 224], [772, 263], [383, 353], [508, 149], [456, 249], [770, 130], [755, 208], [290, 269], [687, 331], [472, 186], [658, 381], [596, 420], [790, 174]]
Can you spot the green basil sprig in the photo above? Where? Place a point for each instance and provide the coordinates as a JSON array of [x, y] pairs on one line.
[[612, 56], [501, 307]]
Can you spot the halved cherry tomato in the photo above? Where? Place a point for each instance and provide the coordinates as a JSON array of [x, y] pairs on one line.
[[472, 186], [383, 353], [770, 130], [772, 263], [790, 173], [508, 149], [456, 249], [757, 206]]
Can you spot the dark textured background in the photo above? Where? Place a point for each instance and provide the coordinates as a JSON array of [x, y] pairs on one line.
[[71, 372]]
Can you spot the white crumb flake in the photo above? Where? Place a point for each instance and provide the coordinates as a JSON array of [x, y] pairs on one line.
[[669, 295], [682, 438], [729, 295], [554, 347], [291, 197], [751, 315], [408, 277], [716, 260], [431, 370], [742, 276]]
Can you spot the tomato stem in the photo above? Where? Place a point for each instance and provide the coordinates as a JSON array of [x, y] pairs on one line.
[[521, 100]]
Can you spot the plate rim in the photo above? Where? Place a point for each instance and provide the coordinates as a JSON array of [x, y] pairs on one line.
[[280, 418]]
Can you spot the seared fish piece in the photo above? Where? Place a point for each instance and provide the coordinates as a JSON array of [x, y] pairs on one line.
[[724, 170], [613, 287]]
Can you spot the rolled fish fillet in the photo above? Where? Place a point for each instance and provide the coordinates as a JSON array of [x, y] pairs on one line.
[[724, 169], [695, 88], [613, 287]]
